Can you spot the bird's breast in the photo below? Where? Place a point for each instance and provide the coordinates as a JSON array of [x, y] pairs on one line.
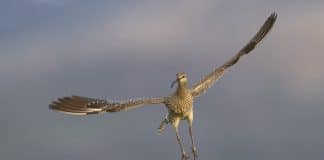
[[180, 105]]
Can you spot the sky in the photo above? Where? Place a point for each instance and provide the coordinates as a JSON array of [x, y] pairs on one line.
[[268, 106]]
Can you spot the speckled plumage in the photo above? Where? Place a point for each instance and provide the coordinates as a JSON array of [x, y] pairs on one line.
[[179, 104]]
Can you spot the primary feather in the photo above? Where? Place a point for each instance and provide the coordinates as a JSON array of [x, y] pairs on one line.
[[77, 105], [212, 77]]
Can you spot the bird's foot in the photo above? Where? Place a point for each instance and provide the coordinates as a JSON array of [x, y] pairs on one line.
[[194, 152], [184, 156]]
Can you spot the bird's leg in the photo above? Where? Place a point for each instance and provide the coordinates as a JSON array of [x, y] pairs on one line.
[[194, 149], [184, 156], [175, 124]]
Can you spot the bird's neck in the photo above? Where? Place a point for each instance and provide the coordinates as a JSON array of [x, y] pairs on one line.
[[182, 89]]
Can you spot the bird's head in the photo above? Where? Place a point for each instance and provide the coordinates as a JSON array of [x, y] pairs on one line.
[[181, 79]]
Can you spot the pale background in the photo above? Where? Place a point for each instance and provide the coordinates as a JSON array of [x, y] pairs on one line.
[[270, 106]]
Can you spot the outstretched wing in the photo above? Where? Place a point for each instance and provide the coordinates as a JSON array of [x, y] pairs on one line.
[[77, 105], [212, 77]]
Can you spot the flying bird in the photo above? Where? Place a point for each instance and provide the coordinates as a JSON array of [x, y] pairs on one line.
[[179, 104]]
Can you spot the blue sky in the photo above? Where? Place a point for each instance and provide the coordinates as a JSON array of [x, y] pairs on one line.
[[268, 106]]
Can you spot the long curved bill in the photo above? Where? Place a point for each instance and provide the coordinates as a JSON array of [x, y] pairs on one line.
[[173, 83]]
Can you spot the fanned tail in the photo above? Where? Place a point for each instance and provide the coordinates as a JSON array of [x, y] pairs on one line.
[[162, 126]]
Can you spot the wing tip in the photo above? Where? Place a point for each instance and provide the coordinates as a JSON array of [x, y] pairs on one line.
[[273, 15], [65, 105], [265, 29], [273, 18]]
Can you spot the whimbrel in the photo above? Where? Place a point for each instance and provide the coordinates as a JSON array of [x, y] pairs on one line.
[[179, 104]]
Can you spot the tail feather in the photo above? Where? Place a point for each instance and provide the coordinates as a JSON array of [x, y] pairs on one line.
[[162, 126]]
